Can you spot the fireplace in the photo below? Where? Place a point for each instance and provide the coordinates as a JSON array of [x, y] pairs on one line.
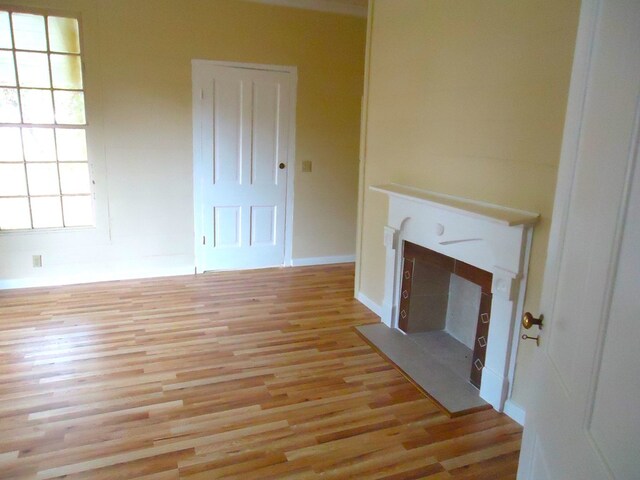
[[483, 244], [442, 294]]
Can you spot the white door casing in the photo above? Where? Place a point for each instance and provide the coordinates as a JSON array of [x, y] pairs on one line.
[[582, 417], [243, 118]]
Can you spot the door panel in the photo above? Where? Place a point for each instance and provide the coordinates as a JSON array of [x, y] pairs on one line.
[[266, 100], [226, 226], [582, 421], [263, 225], [241, 131], [616, 435], [228, 131]]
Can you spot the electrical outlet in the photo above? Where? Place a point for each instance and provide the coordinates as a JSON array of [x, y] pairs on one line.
[[37, 261], [306, 165]]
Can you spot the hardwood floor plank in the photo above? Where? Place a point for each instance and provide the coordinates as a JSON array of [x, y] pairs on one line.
[[247, 375]]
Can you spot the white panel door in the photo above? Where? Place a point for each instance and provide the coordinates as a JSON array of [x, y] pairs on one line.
[[241, 136], [583, 417]]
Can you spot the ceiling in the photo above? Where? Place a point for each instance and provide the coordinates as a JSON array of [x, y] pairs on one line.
[[356, 8]]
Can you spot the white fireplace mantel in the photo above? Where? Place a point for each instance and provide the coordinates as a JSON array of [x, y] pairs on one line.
[[491, 237]]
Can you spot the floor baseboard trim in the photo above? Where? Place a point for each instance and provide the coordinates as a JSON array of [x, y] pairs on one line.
[[370, 304], [308, 261], [14, 283], [515, 411]]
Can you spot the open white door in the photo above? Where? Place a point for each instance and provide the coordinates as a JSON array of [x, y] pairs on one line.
[[583, 418], [242, 120]]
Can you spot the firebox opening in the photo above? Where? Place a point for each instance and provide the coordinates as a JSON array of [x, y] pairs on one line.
[[444, 308]]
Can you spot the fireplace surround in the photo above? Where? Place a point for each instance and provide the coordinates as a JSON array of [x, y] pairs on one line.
[[492, 238]]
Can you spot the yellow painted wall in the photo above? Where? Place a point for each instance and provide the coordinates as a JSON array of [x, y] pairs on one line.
[[465, 97], [138, 84]]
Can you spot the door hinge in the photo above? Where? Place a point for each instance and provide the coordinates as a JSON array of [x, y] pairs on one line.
[[204, 240], [201, 94]]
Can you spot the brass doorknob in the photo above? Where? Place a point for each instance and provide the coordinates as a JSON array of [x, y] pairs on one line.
[[529, 321]]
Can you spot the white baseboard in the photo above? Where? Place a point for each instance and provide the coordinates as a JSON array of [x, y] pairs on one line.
[[92, 277], [515, 411], [370, 304], [305, 262]]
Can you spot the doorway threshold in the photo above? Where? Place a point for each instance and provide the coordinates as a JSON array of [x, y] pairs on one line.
[[416, 356]]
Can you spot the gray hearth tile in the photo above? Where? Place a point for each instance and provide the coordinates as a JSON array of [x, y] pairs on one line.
[[443, 383]]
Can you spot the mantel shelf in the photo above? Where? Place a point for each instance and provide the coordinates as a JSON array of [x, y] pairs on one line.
[[487, 211]]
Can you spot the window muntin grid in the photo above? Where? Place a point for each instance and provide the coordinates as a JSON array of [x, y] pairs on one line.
[[44, 170]]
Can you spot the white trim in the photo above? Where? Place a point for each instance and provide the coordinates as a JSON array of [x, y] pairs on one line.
[[308, 261], [362, 153], [292, 70], [93, 277], [249, 66], [320, 6], [237, 269], [494, 387], [370, 304], [464, 206], [291, 165], [197, 188], [515, 339], [515, 411]]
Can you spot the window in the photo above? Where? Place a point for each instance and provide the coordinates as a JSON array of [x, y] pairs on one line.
[[44, 169]]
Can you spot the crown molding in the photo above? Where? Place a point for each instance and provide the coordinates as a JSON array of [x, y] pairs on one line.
[[320, 5]]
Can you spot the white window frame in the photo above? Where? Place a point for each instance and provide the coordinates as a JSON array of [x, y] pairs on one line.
[[85, 126]]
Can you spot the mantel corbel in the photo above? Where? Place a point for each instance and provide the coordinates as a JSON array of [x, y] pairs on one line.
[[391, 237]]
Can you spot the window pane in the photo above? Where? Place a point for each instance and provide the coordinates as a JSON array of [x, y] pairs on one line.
[[33, 69], [36, 106], [43, 179], [7, 70], [12, 182], [14, 213], [77, 211], [72, 144], [10, 144], [9, 108], [66, 71], [63, 35], [28, 31], [74, 178], [39, 145], [47, 212], [69, 107], [41, 84], [5, 31]]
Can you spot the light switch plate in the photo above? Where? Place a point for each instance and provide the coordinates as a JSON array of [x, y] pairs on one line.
[[306, 166], [37, 261]]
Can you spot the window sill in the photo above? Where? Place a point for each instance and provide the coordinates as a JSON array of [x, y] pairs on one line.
[[38, 231]]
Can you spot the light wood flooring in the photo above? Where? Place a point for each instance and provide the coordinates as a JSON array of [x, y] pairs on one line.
[[248, 375]]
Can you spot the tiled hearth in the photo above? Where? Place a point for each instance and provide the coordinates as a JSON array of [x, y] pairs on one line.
[[444, 314], [435, 361]]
